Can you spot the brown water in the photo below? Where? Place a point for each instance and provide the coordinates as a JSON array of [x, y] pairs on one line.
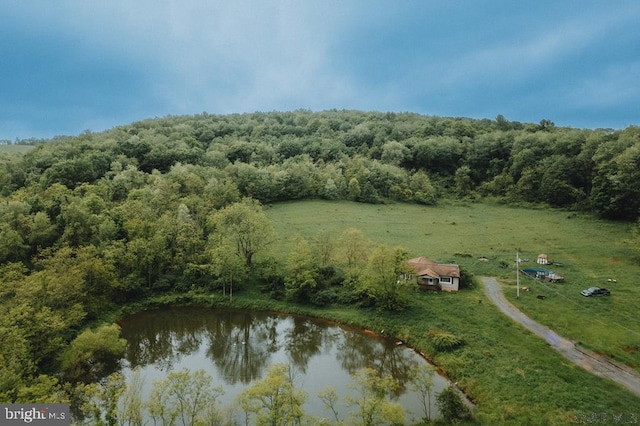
[[236, 348]]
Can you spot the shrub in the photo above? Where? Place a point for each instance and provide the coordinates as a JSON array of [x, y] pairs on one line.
[[324, 297], [451, 406], [466, 278], [444, 341]]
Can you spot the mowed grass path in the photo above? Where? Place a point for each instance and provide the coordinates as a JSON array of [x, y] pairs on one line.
[[499, 353]]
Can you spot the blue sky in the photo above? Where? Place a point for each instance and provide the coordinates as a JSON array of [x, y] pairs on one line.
[[74, 65]]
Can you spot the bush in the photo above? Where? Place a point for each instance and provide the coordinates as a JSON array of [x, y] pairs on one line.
[[451, 406], [346, 296], [445, 341], [466, 278], [324, 297], [330, 276]]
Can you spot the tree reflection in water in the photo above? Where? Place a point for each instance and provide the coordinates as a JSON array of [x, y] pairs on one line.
[[307, 338], [359, 351], [240, 345]]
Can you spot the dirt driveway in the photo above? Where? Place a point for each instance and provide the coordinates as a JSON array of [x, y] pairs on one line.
[[590, 361]]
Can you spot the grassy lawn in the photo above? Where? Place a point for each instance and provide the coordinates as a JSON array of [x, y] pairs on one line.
[[514, 376]]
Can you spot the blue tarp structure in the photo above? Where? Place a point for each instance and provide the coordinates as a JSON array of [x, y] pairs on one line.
[[541, 274]]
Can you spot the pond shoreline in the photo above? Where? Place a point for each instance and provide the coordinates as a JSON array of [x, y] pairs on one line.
[[199, 300], [236, 346]]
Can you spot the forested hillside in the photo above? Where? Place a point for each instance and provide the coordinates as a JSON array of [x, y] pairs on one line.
[[92, 221], [368, 157]]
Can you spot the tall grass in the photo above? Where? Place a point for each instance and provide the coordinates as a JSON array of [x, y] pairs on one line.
[[515, 377]]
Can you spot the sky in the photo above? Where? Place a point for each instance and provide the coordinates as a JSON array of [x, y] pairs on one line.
[[68, 66]]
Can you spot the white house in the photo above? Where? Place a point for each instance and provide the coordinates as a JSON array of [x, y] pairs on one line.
[[437, 276]]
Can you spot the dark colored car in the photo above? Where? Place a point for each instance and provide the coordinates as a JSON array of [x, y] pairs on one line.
[[595, 291]]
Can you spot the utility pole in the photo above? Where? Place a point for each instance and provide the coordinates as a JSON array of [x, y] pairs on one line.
[[517, 274]]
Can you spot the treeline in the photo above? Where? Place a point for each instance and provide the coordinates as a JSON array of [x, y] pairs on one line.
[[368, 157]]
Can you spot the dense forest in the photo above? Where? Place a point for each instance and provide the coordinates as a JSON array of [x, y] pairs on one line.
[[367, 157], [173, 204]]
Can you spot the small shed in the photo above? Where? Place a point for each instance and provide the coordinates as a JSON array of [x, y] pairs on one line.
[[543, 259]]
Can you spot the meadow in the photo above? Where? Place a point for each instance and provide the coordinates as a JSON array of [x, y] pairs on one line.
[[15, 149], [513, 375]]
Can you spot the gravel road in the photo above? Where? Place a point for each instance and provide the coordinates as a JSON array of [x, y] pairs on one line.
[[590, 361]]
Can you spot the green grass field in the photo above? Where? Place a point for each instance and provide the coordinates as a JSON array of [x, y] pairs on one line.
[[15, 149], [513, 375]]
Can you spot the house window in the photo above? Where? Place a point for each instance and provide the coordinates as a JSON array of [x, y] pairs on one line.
[[445, 280]]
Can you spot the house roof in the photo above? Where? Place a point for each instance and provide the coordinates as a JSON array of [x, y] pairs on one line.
[[429, 268]]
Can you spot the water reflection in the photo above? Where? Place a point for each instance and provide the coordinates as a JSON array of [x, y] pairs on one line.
[[358, 351], [242, 343], [237, 347]]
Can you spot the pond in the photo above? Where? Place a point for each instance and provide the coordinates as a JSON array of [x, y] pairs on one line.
[[236, 348]]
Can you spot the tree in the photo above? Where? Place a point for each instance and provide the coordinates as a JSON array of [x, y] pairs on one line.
[[43, 329], [395, 153], [79, 223], [325, 245], [93, 353], [131, 401], [423, 190], [16, 362], [372, 403], [42, 231], [246, 224], [43, 389], [329, 398], [275, 400], [12, 246], [189, 242], [184, 394], [191, 393], [221, 193], [555, 185], [383, 279], [159, 405], [439, 154], [616, 186], [100, 399], [355, 247], [463, 181], [302, 276], [451, 406], [228, 265], [421, 380], [354, 189], [330, 190]]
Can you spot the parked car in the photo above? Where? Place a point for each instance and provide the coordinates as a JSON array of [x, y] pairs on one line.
[[595, 291]]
